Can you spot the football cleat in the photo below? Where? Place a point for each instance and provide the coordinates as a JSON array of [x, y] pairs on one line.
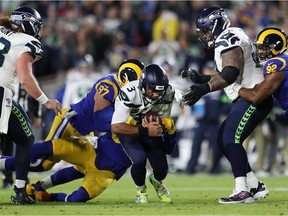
[[142, 196], [21, 197], [260, 192], [161, 190], [236, 198]]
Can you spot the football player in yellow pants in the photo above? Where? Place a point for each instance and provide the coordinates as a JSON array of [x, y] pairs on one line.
[[97, 160]]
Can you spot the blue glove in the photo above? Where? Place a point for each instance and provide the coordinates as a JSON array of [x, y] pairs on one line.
[[194, 93], [194, 76]]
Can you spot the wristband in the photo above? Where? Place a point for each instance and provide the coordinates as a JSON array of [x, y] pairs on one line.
[[42, 99], [143, 131]]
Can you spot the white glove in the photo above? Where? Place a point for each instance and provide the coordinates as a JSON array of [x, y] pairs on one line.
[[178, 96]]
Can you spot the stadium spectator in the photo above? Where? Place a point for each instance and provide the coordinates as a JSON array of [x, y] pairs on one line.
[[206, 112]]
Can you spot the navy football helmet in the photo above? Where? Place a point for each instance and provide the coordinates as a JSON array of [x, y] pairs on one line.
[[129, 70], [270, 42], [29, 20], [153, 79], [210, 24]]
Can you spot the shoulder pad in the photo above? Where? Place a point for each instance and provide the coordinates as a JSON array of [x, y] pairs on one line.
[[274, 65], [129, 91], [228, 39], [31, 45], [108, 88]]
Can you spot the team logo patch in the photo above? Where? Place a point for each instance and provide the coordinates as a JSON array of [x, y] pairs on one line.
[[123, 96]]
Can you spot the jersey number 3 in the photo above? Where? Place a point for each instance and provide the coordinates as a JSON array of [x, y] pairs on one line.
[[5, 48]]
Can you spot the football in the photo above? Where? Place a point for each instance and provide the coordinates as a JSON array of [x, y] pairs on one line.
[[154, 116]]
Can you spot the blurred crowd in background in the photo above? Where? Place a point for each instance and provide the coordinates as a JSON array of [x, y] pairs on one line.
[[83, 40]]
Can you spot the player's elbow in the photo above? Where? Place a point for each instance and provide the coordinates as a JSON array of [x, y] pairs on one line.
[[254, 100], [116, 128], [23, 82]]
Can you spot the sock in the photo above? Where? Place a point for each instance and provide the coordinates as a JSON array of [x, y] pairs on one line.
[[20, 183], [142, 188], [2, 164], [46, 183], [240, 184], [251, 180], [155, 180]]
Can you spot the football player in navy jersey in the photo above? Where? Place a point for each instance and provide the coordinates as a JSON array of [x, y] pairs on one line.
[[234, 63], [20, 47], [141, 139], [271, 46]]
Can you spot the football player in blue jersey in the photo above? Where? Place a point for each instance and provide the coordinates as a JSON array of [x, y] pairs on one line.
[[98, 160], [94, 112], [271, 47], [234, 63], [20, 48]]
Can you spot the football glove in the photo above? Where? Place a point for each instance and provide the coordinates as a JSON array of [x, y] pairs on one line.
[[194, 76], [194, 93], [168, 123]]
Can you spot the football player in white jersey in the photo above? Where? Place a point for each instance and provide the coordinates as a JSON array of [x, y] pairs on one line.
[[234, 63], [143, 139], [20, 47]]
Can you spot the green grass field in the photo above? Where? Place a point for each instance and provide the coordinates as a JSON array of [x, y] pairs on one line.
[[192, 195]]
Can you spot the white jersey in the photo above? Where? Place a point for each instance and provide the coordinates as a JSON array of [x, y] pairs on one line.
[[77, 89], [12, 45], [232, 37], [130, 102]]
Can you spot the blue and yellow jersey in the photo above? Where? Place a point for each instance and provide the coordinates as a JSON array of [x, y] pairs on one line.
[[111, 156], [107, 87], [275, 65]]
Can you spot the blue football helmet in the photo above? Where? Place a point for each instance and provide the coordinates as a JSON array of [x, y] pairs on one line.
[[210, 24], [29, 20], [153, 78]]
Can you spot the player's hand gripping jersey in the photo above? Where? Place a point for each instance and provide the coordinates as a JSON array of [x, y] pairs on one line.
[[249, 75]]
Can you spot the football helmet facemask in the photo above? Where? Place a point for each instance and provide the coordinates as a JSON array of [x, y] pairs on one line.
[[210, 24], [153, 82], [270, 42], [29, 20], [129, 70]]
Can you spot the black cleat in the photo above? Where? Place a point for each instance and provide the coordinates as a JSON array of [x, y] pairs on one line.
[[241, 197], [21, 196], [260, 192]]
